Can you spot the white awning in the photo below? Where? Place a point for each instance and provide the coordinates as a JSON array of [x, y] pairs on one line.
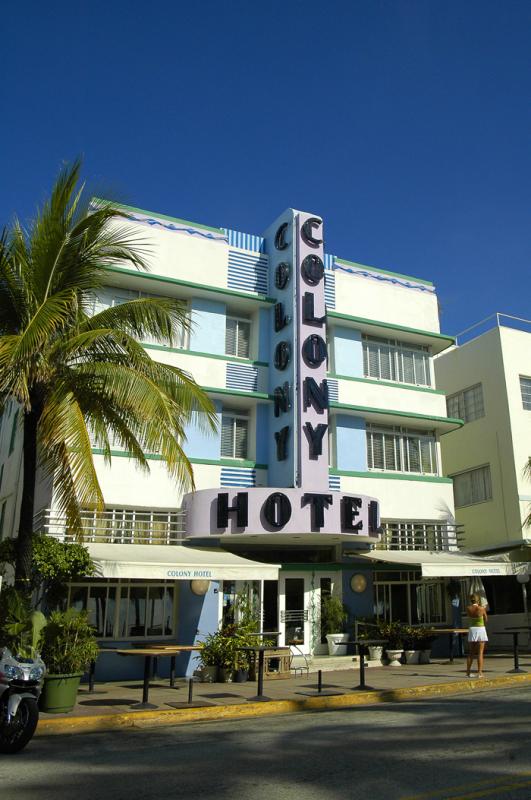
[[440, 564], [175, 562]]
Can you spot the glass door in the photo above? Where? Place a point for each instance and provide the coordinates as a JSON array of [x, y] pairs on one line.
[[294, 616]]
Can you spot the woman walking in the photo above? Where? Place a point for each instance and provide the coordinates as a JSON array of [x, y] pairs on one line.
[[477, 633]]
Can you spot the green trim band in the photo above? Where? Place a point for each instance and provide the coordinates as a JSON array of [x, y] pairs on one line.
[[382, 271], [214, 462], [235, 359], [238, 393], [258, 298], [393, 384], [388, 325], [318, 567], [160, 216], [393, 476], [391, 412]]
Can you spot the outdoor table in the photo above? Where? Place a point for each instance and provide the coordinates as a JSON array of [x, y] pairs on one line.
[[363, 644], [450, 632], [514, 631], [261, 650], [154, 652]]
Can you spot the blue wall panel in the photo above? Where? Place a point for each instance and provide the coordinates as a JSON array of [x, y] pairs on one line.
[[348, 352], [262, 433], [201, 443], [351, 443], [264, 326], [209, 322]]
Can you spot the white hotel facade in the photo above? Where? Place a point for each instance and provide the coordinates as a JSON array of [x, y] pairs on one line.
[[325, 474]]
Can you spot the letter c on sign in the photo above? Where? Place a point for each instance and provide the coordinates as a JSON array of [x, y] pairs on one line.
[[277, 510]]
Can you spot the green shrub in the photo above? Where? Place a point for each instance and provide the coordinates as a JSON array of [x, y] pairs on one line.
[[69, 642]]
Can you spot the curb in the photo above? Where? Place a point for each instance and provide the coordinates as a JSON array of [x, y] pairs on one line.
[[152, 719]]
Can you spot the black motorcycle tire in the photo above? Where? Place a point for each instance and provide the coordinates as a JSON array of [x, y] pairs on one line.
[[15, 734]]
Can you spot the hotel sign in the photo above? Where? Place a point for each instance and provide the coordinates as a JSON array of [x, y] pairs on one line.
[[298, 421]]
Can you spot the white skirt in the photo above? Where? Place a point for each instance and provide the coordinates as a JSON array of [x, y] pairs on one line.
[[477, 634]]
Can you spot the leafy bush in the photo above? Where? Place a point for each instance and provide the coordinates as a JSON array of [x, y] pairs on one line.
[[333, 615], [21, 627], [69, 642]]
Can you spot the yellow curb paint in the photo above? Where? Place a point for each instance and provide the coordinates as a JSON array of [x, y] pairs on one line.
[[148, 719], [489, 786]]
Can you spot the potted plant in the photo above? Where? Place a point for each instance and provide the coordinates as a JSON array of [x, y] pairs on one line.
[[69, 645], [333, 619], [209, 657], [393, 633], [425, 640], [367, 629], [410, 644], [21, 627]]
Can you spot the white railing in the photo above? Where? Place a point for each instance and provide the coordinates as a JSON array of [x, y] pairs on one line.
[[496, 320], [420, 536], [117, 526]]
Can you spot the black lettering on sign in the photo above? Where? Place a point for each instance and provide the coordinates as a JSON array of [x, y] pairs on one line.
[[277, 510], [281, 438], [281, 320], [280, 237], [312, 269], [373, 518], [282, 399], [308, 313], [314, 350], [349, 512], [315, 395], [282, 275], [282, 355], [315, 438], [240, 507], [307, 231], [318, 503]]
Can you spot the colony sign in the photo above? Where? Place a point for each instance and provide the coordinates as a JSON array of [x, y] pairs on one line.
[[298, 421]]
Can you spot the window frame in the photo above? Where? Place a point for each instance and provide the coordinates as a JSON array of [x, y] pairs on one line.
[[460, 397], [401, 448], [238, 320], [397, 351], [527, 379], [469, 472], [235, 414]]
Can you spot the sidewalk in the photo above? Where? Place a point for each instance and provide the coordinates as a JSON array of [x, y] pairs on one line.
[[109, 706]]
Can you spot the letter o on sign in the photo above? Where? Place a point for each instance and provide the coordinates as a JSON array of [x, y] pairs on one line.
[[277, 510], [282, 355], [312, 269]]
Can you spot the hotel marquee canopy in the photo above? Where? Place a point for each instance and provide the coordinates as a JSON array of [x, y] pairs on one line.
[[439, 564], [175, 562]]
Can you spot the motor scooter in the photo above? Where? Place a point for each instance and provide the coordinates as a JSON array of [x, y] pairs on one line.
[[21, 682]]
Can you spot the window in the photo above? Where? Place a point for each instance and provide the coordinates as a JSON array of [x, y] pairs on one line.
[[13, 433], [472, 487], [466, 405], [2, 518], [390, 360], [234, 434], [525, 388], [401, 450], [237, 337], [405, 597], [1, 476], [126, 611], [417, 535]]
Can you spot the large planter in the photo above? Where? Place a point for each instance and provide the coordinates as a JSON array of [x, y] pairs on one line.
[[59, 693], [376, 653], [424, 656], [337, 644], [394, 657], [225, 675], [411, 656], [209, 674], [241, 675]]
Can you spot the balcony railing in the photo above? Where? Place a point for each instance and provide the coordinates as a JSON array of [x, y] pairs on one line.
[[117, 526], [420, 536]]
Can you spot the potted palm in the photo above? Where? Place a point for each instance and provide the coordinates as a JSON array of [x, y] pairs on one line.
[[210, 657], [69, 645], [333, 619], [393, 633]]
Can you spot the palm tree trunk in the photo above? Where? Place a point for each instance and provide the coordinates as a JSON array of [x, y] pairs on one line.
[[24, 548]]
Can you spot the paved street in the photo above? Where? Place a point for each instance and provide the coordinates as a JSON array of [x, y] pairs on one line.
[[464, 747]]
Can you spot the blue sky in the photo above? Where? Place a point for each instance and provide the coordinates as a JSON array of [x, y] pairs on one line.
[[405, 124]]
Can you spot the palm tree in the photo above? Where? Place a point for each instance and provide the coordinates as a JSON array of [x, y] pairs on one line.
[[83, 380], [527, 475]]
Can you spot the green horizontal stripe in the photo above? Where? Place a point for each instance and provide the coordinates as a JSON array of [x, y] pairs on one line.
[[258, 298], [238, 393], [382, 271], [393, 384], [391, 412], [393, 476], [160, 216], [417, 331], [215, 462], [235, 359]]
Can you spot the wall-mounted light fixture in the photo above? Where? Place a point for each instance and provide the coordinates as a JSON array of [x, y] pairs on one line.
[[199, 588], [358, 583]]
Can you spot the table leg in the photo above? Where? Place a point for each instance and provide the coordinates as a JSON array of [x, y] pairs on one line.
[[92, 670], [145, 688], [362, 684], [172, 671], [517, 667], [451, 637], [260, 696]]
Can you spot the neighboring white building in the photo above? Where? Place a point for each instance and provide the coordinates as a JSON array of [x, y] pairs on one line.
[[487, 379], [322, 374]]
